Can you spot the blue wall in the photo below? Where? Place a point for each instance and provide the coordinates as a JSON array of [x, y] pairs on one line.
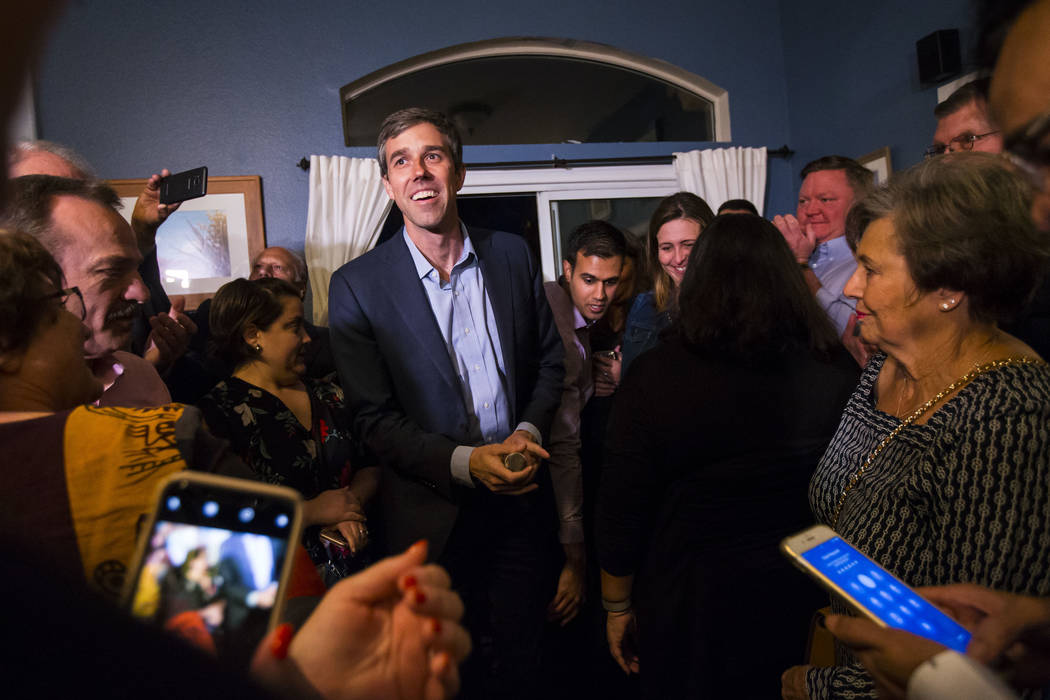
[[251, 87], [853, 77]]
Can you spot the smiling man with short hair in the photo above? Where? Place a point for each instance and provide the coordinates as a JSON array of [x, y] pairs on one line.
[[830, 186], [451, 362]]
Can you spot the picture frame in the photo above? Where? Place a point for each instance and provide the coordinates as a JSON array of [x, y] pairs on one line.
[[878, 162], [208, 241]]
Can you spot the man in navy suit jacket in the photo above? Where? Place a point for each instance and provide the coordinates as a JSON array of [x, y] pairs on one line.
[[450, 360]]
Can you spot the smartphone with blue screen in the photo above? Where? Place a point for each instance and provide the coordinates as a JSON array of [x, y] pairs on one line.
[[868, 588]]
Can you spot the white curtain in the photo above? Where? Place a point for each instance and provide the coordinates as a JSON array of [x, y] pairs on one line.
[[720, 174], [346, 212]]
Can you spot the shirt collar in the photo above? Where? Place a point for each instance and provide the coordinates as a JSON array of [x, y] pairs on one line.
[[581, 322], [835, 249], [577, 318], [423, 266]]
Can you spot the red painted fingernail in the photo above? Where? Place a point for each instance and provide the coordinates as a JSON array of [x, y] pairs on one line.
[[410, 582], [281, 641], [419, 596]]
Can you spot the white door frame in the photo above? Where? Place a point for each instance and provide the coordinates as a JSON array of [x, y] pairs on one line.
[[550, 184]]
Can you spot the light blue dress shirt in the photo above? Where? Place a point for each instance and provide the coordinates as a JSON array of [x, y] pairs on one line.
[[464, 315], [833, 264]]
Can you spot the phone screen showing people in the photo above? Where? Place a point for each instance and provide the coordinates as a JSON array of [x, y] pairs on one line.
[[883, 595], [212, 566]]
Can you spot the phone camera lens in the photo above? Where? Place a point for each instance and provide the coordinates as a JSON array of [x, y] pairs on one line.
[[210, 509], [245, 515], [281, 520], [174, 503]]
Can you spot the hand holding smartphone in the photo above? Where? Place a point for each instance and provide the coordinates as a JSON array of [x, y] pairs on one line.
[[868, 588], [188, 184], [213, 562]]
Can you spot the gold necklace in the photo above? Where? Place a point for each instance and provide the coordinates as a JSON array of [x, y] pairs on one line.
[[917, 413]]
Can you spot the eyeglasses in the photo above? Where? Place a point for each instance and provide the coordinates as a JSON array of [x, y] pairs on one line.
[[73, 300], [964, 142], [1029, 149]]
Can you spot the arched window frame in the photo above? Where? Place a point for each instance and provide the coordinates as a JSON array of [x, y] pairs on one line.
[[537, 46]]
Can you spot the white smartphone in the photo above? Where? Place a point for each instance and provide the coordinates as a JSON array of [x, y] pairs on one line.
[[213, 562], [868, 588]]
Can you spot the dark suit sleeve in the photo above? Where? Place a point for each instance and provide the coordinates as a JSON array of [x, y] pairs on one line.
[[379, 420], [547, 359]]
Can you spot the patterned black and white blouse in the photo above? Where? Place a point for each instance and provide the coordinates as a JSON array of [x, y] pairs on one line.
[[964, 497]]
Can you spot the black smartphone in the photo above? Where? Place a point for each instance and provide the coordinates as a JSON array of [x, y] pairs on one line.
[[188, 184], [213, 562]]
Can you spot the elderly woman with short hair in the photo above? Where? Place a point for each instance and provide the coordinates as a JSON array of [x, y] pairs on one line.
[[940, 468]]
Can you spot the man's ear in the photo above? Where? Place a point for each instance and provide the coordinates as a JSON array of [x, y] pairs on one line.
[[11, 362], [566, 268], [387, 187]]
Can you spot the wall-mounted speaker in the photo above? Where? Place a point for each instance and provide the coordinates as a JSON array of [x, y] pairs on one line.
[[939, 56]]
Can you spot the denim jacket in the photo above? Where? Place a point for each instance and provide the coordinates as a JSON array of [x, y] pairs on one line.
[[643, 327]]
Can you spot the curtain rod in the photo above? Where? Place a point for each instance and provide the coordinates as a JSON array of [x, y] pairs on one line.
[[555, 162]]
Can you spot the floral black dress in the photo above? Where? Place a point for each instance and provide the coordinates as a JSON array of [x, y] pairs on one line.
[[265, 433]]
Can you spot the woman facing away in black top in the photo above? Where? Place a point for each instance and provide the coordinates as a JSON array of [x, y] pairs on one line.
[[712, 442]]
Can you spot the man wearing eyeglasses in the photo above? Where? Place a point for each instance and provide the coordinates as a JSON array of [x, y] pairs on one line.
[[963, 122]]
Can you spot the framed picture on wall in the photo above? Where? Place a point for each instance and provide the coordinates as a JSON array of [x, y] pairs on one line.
[[208, 241], [879, 163]]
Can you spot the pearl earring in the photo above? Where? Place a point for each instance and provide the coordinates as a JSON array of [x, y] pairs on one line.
[[258, 348], [945, 305]]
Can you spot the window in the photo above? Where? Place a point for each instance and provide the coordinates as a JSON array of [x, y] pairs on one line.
[[561, 199], [534, 90], [528, 90]]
